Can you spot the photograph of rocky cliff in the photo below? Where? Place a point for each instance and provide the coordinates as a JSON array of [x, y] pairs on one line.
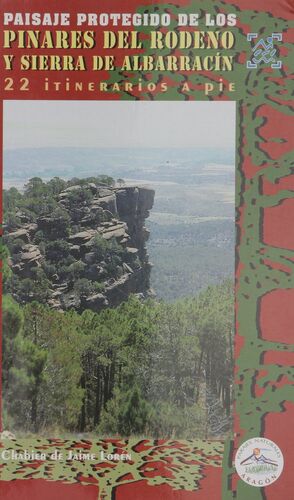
[[118, 257], [78, 244]]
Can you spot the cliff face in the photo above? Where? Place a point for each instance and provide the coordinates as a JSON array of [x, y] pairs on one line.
[[91, 249]]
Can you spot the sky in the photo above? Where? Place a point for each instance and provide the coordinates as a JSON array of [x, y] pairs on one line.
[[35, 124]]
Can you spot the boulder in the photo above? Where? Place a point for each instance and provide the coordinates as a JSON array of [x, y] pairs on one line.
[[21, 234], [30, 253], [82, 237], [132, 250], [31, 228], [96, 302], [116, 231], [55, 304], [102, 192], [127, 268], [107, 203]]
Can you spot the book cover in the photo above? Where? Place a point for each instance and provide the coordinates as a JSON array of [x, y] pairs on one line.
[[147, 255]]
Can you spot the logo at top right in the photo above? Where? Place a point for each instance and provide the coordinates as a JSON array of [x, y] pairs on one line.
[[264, 51]]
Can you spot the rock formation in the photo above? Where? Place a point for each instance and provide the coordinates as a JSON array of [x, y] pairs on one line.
[[103, 238]]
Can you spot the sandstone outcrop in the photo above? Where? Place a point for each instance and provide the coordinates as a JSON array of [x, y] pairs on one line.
[[103, 239]]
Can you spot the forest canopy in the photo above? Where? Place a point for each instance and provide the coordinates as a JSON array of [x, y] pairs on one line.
[[144, 368]]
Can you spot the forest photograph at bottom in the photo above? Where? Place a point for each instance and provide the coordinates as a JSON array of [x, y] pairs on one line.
[[143, 368]]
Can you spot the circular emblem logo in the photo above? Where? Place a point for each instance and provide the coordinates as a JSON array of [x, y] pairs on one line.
[[259, 462]]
